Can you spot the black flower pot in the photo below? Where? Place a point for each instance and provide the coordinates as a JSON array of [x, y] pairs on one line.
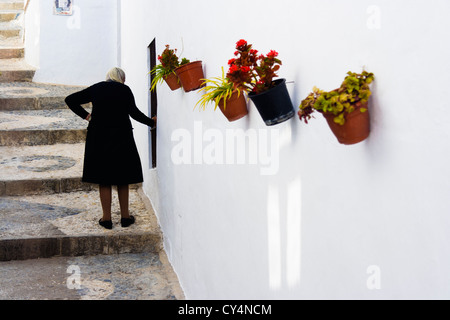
[[274, 105]]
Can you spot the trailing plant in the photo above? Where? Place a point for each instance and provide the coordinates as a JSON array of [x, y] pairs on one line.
[[169, 61], [215, 90], [252, 72], [353, 90]]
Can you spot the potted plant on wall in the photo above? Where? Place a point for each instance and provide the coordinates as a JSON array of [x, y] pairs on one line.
[[165, 71], [345, 108], [221, 92], [255, 74], [190, 75]]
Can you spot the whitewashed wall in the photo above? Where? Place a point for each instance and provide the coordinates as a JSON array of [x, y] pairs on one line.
[[368, 221], [77, 49]]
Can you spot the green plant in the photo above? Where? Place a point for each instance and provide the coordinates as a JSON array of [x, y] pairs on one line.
[[169, 61], [252, 72], [353, 90], [216, 89]]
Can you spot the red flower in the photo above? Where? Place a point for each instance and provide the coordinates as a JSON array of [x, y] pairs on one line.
[[233, 68], [250, 71], [272, 54], [241, 43]]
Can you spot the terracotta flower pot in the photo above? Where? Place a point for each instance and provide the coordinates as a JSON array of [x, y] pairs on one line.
[[235, 107], [172, 81], [356, 127], [191, 75], [274, 105]]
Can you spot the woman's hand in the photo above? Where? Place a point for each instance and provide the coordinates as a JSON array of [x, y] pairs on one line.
[[88, 118], [154, 119]]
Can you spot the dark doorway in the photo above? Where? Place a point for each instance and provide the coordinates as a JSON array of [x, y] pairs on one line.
[[153, 105]]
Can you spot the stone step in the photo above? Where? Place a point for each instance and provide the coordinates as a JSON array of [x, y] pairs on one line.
[[17, 75], [34, 96], [12, 49], [41, 170], [10, 33], [45, 186], [12, 70], [49, 169], [41, 137], [11, 43], [12, 53], [133, 276], [10, 30], [10, 15], [37, 170], [67, 225], [41, 163], [11, 5], [41, 127]]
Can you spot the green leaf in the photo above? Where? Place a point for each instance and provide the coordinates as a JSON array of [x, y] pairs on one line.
[[340, 119]]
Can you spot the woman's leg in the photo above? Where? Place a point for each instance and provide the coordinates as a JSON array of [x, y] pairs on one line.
[[105, 199], [123, 193]]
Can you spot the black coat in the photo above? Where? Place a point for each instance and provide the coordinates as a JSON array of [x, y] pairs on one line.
[[111, 156]]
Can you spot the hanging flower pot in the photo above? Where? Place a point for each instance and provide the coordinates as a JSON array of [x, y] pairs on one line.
[[356, 127], [172, 81], [169, 61], [254, 73], [190, 75], [221, 92], [345, 108], [235, 107], [274, 105]]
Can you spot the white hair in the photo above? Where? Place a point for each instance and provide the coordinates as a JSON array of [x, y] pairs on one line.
[[116, 74]]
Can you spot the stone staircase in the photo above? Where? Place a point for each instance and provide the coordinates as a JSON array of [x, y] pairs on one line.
[[12, 52], [47, 212], [45, 209]]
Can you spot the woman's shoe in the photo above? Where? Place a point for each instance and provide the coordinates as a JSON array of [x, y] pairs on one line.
[[126, 222], [106, 224]]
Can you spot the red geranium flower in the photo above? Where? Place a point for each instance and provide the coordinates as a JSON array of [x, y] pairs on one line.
[[250, 72], [272, 54], [233, 68], [241, 43]]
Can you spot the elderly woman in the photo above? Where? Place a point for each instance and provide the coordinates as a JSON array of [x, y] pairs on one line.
[[111, 157]]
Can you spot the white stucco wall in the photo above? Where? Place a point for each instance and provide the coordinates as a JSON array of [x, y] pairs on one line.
[[77, 49], [333, 219], [31, 33]]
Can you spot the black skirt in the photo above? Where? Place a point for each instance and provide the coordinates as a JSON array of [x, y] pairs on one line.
[[111, 157]]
